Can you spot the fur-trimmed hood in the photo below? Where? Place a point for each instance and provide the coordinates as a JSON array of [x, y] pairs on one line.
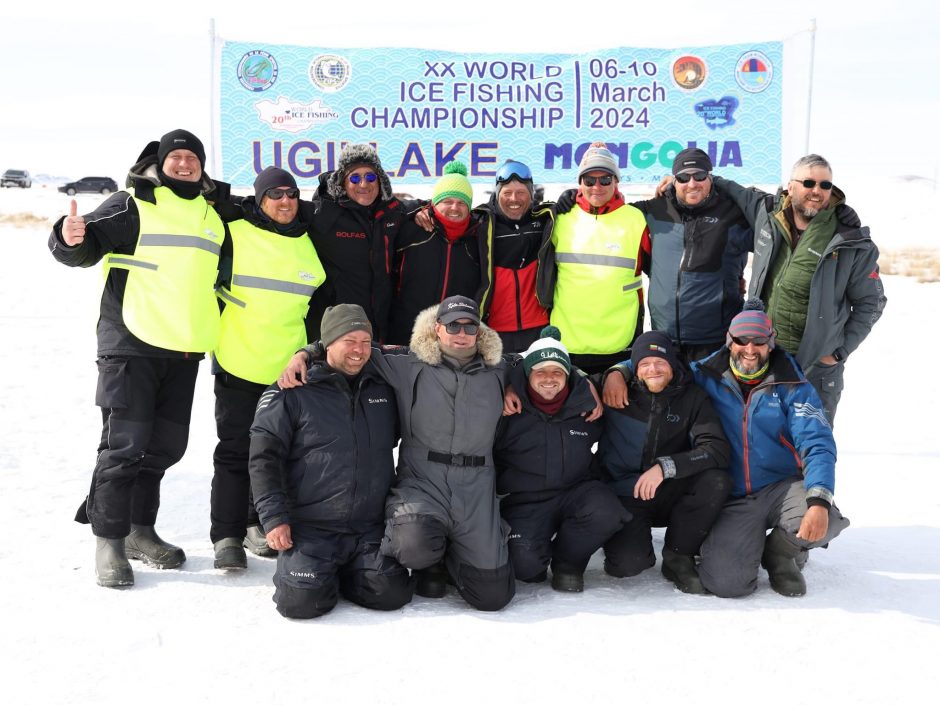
[[425, 346], [353, 155]]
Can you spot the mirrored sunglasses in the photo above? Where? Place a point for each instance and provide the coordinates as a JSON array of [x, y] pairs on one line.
[[370, 178], [591, 180], [811, 183], [276, 194], [698, 176], [756, 340], [455, 327]]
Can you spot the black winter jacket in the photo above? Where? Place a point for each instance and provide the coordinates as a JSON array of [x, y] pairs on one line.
[[511, 262], [537, 455], [355, 245], [429, 268], [321, 454], [695, 260], [677, 428]]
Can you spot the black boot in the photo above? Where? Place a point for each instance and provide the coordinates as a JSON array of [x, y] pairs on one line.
[[144, 544], [567, 579], [780, 561], [681, 571], [432, 581], [256, 542], [111, 566], [230, 554]]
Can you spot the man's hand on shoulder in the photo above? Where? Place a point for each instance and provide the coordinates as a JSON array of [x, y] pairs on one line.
[[295, 374]]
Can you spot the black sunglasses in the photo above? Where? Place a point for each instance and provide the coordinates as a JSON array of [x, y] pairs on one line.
[[591, 180], [370, 178], [276, 194], [468, 328], [756, 340], [811, 183], [699, 177]]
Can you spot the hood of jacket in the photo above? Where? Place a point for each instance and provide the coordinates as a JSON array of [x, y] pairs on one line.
[[425, 346]]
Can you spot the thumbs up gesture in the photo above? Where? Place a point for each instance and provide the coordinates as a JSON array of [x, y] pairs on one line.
[[73, 227]]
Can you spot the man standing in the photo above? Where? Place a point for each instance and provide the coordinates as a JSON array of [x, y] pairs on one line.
[[664, 453], [695, 257], [559, 514], [160, 241], [321, 466], [516, 232], [442, 518], [354, 223], [782, 463], [270, 272], [595, 288], [817, 269]]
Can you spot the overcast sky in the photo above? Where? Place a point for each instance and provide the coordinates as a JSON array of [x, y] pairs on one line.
[[85, 91]]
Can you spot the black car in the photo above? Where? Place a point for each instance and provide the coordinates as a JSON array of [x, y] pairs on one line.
[[16, 177], [90, 184]]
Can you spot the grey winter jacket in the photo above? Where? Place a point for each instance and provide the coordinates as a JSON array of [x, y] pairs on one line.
[[846, 293]]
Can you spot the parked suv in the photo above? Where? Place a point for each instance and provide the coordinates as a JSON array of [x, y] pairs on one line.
[[90, 184], [16, 177]]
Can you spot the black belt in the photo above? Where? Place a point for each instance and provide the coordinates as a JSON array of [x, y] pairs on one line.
[[468, 461]]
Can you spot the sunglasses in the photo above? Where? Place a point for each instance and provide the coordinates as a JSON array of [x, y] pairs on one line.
[[698, 176], [455, 327], [276, 194], [811, 183], [756, 340], [370, 178], [513, 170], [591, 180]]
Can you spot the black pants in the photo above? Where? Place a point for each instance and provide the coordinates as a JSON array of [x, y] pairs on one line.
[[580, 519], [686, 506], [231, 508], [146, 404], [324, 564]]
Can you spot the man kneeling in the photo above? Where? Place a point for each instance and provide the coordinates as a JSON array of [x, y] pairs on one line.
[[321, 465], [543, 462]]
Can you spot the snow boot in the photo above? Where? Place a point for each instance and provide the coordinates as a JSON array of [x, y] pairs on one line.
[[681, 571], [143, 544], [432, 581], [111, 567], [567, 579], [779, 559], [256, 542], [230, 554]]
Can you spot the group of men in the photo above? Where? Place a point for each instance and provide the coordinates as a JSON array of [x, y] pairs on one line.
[[711, 429]]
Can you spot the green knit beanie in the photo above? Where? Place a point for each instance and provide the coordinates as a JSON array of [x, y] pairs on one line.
[[454, 184]]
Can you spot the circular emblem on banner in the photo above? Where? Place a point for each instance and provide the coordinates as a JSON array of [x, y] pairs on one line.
[[689, 72], [257, 70], [754, 72], [330, 72]]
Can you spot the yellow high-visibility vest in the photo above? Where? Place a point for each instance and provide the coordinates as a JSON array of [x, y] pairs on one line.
[[273, 278], [597, 290], [169, 298]]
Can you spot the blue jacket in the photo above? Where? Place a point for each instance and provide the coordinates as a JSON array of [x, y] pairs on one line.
[[779, 431]]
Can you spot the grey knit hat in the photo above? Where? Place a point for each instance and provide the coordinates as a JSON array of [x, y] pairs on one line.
[[598, 158], [342, 319], [352, 156]]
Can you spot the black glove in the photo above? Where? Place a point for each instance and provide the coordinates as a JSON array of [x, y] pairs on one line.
[[566, 201]]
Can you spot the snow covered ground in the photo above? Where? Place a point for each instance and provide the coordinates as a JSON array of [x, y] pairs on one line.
[[867, 632]]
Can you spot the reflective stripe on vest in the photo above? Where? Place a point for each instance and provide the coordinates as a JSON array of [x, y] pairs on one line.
[[273, 278], [597, 289], [169, 299]]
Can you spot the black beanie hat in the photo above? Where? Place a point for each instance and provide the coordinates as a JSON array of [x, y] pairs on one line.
[[272, 177], [691, 160], [180, 139], [654, 343]]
